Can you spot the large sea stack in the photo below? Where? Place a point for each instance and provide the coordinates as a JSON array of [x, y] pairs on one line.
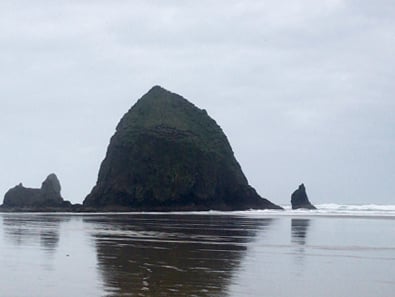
[[299, 199], [166, 155], [48, 197]]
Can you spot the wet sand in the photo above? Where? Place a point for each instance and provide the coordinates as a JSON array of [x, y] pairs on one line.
[[244, 254]]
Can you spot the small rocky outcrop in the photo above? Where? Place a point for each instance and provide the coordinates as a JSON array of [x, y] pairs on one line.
[[168, 155], [299, 199], [47, 197]]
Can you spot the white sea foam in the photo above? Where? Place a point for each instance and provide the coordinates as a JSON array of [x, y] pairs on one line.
[[356, 207], [332, 209], [328, 209]]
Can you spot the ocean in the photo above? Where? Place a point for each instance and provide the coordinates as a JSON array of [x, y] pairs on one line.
[[338, 250]]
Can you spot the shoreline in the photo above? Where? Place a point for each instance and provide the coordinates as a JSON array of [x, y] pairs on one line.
[[267, 213]]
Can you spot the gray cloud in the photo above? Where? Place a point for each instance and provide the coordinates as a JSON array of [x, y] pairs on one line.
[[303, 89]]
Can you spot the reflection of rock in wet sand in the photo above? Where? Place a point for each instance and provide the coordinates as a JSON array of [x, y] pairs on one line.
[[171, 255], [33, 229], [299, 229]]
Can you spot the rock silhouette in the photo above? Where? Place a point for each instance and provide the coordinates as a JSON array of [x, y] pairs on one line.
[[166, 155], [299, 199], [48, 196]]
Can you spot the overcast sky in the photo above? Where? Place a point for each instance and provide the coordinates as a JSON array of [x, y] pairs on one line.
[[304, 89]]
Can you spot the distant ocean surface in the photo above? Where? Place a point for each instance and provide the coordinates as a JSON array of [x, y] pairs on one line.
[[337, 250]]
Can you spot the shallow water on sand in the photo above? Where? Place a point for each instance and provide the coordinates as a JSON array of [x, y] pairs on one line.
[[206, 254]]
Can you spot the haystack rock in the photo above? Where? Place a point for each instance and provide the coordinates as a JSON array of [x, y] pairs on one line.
[[167, 154], [47, 196], [299, 199]]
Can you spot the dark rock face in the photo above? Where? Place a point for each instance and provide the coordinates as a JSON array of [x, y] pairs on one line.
[[47, 196], [299, 199], [167, 154]]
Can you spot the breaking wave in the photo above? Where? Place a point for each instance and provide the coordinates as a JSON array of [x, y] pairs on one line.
[[329, 209], [365, 207], [345, 209]]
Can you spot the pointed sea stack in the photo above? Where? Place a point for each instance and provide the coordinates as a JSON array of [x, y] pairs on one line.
[[46, 198], [299, 199], [168, 155]]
